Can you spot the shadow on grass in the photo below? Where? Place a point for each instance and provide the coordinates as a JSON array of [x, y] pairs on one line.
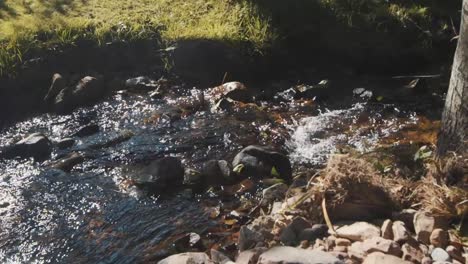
[[6, 10], [360, 34]]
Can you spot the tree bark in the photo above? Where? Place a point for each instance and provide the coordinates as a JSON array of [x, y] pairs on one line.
[[452, 136]]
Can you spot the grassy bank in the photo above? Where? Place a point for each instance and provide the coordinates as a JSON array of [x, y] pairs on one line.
[[28, 27]]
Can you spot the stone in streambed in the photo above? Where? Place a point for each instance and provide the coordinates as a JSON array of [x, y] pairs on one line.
[[380, 258], [36, 145], [259, 161], [160, 175], [216, 173]]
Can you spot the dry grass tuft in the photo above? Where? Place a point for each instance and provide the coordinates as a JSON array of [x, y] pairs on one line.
[[444, 191]]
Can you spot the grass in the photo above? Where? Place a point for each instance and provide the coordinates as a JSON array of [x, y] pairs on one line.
[[28, 26]]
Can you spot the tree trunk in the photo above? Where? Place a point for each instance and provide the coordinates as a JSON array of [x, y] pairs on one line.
[[452, 136]]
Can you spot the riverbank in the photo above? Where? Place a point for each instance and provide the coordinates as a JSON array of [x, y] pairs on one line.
[[201, 42]]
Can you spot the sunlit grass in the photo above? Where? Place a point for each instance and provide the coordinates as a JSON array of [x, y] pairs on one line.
[[35, 25]]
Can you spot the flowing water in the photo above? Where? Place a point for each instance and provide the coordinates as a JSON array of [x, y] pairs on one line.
[[91, 215]]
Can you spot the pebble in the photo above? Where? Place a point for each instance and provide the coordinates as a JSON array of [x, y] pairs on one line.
[[438, 254]]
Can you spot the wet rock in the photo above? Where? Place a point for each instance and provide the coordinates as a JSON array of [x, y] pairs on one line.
[[411, 252], [188, 242], [115, 140], [380, 258], [191, 257], [438, 254], [58, 84], [358, 231], [274, 193], [378, 244], [216, 173], [140, 83], [400, 232], [65, 143], [160, 175], [248, 238], [319, 91], [290, 234], [290, 255], [233, 90], [258, 161], [36, 145], [86, 92], [67, 163], [313, 233], [387, 229], [439, 238], [250, 256], [424, 224], [86, 130]]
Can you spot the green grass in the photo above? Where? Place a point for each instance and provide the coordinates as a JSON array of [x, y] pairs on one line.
[[28, 26]]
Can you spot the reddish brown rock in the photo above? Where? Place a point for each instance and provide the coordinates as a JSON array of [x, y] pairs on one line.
[[439, 238]]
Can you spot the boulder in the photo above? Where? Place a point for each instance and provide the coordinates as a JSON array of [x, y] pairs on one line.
[[378, 244], [160, 175], [358, 231], [58, 84], [216, 173], [258, 161], [36, 145], [424, 224], [439, 238], [380, 258], [438, 254], [291, 255], [185, 258]]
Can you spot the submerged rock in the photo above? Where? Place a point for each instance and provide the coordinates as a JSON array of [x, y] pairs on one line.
[[216, 173], [65, 143], [141, 83], [36, 145], [258, 161], [67, 163], [159, 176]]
